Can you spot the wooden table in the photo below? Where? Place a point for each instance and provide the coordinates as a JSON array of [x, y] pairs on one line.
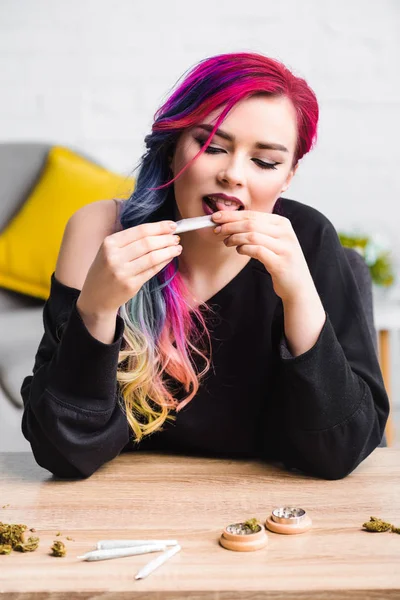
[[189, 498]]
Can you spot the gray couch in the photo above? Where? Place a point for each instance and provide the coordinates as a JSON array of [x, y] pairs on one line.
[[21, 328], [21, 325]]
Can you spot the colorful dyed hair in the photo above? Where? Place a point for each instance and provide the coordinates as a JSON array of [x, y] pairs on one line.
[[161, 330]]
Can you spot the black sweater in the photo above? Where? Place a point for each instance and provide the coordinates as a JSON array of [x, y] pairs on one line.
[[322, 412]]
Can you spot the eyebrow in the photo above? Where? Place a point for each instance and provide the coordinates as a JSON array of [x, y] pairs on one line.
[[230, 138]]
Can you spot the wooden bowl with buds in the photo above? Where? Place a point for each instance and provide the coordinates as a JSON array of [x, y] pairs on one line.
[[244, 537]]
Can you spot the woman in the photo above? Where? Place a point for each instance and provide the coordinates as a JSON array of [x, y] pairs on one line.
[[246, 339]]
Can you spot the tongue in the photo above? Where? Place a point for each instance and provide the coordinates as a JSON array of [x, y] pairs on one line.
[[223, 206]]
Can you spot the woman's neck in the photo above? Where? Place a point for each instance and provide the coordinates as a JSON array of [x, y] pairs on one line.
[[206, 264]]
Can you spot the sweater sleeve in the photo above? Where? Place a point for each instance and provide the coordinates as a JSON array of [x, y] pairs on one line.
[[72, 415], [335, 404]]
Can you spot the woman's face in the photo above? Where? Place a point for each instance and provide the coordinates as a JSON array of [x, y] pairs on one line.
[[238, 166]]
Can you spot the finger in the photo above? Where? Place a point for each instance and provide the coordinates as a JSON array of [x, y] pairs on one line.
[[149, 273], [271, 229], [152, 261], [264, 255], [141, 247], [132, 234], [227, 216], [255, 239]]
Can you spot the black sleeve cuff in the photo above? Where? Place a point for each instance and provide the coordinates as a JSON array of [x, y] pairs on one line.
[[320, 388], [287, 356], [83, 371]]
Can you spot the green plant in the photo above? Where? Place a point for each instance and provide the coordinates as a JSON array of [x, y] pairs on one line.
[[377, 258]]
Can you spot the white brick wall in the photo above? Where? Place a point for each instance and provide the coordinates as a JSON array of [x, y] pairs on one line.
[[91, 73]]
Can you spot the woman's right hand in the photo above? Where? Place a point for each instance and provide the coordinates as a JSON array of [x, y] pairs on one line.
[[123, 264]]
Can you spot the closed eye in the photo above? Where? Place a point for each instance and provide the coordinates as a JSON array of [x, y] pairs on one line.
[[213, 150]]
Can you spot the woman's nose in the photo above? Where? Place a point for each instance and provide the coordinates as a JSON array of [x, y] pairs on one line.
[[232, 173]]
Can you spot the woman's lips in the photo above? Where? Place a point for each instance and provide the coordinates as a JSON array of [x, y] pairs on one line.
[[207, 210]]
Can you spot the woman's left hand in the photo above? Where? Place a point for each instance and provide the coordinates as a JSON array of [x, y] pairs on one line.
[[271, 239]]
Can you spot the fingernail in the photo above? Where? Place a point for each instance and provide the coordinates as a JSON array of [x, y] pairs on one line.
[[173, 226], [217, 229], [217, 215]]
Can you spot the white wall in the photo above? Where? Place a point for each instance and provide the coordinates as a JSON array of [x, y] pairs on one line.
[[91, 74]]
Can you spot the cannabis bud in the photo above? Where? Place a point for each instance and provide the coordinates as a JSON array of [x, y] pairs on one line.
[[12, 534], [252, 524], [395, 529], [31, 545], [376, 525], [58, 549]]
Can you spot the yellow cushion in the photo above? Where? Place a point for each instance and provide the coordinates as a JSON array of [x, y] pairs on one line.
[[30, 244]]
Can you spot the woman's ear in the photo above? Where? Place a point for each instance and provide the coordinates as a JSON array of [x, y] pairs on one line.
[[289, 178]]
